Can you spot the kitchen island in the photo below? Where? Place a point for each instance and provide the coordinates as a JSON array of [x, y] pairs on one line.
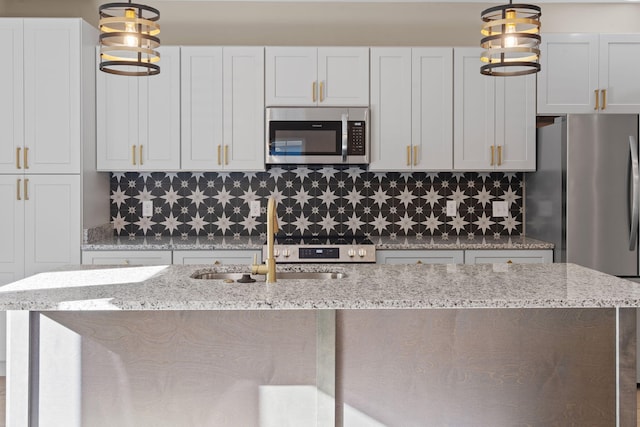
[[493, 344]]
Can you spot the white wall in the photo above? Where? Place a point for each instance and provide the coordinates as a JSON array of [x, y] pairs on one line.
[[341, 23]]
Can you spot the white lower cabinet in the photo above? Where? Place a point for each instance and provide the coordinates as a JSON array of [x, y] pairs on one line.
[[126, 257], [535, 256], [217, 257], [393, 256]]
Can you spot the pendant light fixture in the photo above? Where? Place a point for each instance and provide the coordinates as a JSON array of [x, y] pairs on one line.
[[128, 39], [511, 40]]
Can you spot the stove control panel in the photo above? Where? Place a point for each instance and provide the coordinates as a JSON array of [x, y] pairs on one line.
[[323, 254]]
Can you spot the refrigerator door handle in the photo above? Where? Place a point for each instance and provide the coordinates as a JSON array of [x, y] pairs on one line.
[[635, 179]]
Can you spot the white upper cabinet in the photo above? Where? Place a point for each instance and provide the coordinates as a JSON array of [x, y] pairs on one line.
[[494, 117], [309, 76], [589, 73], [42, 94], [138, 118], [411, 108], [223, 108]]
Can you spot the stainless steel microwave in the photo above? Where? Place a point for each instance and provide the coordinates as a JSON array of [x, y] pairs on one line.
[[320, 135]]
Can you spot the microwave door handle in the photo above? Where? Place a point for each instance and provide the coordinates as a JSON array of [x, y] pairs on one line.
[[345, 135]]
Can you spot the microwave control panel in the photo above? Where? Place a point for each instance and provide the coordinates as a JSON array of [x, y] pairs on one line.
[[356, 139]]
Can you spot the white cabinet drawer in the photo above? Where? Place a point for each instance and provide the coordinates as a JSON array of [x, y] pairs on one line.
[[536, 256], [126, 257], [392, 256], [217, 257]]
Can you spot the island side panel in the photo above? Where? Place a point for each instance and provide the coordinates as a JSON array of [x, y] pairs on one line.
[[248, 368], [628, 386], [497, 367]]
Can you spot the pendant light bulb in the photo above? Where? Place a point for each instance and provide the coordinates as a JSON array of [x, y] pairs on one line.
[[130, 27]]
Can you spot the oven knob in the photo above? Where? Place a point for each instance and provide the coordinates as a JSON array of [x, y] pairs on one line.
[[351, 253], [362, 253], [276, 253], [286, 253]]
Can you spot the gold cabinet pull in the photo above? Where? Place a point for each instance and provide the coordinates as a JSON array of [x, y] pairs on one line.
[[313, 91], [127, 262], [604, 98], [415, 155], [499, 155], [18, 189], [492, 155], [226, 154], [140, 154], [133, 155], [597, 100], [408, 155], [509, 262], [321, 91], [26, 189], [26, 157], [18, 158], [216, 262], [419, 262], [219, 161]]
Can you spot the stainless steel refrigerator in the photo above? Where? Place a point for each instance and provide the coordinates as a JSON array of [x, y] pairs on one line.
[[584, 196]]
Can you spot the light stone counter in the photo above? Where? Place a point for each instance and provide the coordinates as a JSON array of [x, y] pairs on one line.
[[112, 243], [363, 287]]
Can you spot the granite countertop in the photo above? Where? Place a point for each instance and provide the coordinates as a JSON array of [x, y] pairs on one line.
[[256, 242], [365, 286]]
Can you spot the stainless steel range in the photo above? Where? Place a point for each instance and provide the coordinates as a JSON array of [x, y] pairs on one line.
[[323, 249]]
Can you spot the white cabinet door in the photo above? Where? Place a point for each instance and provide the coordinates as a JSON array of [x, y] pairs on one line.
[[390, 109], [474, 113], [126, 257], [202, 109], [309, 76], [53, 228], [419, 257], [432, 108], [535, 256], [159, 116], [52, 95], [116, 121], [217, 257], [568, 78], [411, 108], [618, 73], [12, 218], [343, 76], [11, 99], [243, 89], [138, 119], [515, 147], [291, 75]]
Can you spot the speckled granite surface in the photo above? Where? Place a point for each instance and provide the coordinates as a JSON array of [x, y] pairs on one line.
[[256, 242], [365, 286]]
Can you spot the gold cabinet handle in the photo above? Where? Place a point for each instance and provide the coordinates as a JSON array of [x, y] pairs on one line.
[[140, 154], [415, 155], [509, 262], [499, 155], [216, 262], [18, 189], [419, 262], [313, 91], [604, 98], [493, 148], [26, 157], [408, 155], [597, 100], [321, 91], [26, 189], [219, 161], [226, 154], [18, 158], [127, 262], [133, 155]]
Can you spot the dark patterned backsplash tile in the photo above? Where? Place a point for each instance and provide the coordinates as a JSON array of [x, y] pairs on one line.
[[316, 200]]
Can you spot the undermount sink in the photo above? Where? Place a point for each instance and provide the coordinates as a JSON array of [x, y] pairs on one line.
[[281, 275]]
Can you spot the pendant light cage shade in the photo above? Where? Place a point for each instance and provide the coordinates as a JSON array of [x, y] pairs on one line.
[[511, 40], [128, 39]]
